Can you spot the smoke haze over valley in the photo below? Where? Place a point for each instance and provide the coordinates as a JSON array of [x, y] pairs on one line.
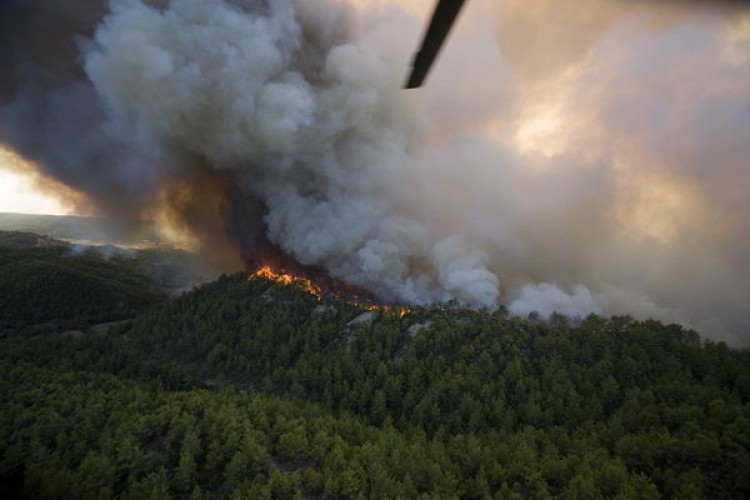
[[579, 159]]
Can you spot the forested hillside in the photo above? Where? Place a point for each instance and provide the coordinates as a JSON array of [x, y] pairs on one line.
[[52, 284], [253, 389], [45, 280]]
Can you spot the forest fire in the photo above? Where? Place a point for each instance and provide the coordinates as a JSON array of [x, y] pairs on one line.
[[288, 279], [337, 290]]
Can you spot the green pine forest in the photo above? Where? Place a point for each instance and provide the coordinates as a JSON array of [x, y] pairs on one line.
[[247, 388]]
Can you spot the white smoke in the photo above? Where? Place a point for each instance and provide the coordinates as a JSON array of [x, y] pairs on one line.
[[546, 299], [319, 130], [605, 174]]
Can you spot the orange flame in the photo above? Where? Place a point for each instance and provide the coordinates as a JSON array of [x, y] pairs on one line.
[[288, 279], [284, 278]]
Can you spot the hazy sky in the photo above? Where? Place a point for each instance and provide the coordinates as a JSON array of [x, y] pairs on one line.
[[566, 35], [19, 192]]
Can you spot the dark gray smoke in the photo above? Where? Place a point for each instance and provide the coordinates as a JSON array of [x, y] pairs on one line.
[[603, 175]]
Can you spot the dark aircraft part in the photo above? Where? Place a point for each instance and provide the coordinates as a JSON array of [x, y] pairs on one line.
[[442, 20]]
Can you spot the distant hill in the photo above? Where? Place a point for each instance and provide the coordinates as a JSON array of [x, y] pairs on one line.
[[248, 388], [46, 280], [22, 239], [82, 228]]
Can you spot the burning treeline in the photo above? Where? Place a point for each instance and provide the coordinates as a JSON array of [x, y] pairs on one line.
[[590, 165], [336, 291]]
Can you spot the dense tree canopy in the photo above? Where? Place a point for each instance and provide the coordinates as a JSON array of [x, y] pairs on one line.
[[251, 389]]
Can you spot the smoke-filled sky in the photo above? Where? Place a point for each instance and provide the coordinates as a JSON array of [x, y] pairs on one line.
[[580, 158]]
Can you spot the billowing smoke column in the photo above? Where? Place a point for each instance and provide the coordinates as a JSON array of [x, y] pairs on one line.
[[610, 179]]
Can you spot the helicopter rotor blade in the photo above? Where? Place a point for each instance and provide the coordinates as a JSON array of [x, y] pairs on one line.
[[443, 18]]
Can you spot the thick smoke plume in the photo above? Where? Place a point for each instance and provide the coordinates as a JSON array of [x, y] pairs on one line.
[[590, 162]]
